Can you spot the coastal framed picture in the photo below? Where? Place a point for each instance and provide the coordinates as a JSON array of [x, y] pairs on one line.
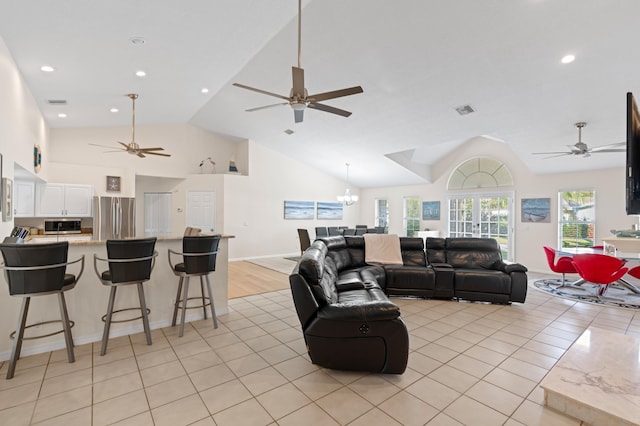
[[536, 210], [329, 210], [299, 209], [431, 210]]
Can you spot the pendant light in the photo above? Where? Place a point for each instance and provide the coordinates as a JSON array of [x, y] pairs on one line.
[[347, 199]]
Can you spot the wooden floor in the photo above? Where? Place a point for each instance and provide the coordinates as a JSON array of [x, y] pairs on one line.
[[247, 278]]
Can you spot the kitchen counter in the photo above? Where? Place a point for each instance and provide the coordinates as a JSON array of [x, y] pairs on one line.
[[87, 302]]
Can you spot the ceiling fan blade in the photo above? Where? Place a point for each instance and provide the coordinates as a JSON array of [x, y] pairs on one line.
[[335, 94], [605, 148], [155, 153], [139, 154], [105, 146], [151, 149], [596, 151], [266, 106], [327, 108], [298, 115], [124, 144], [298, 82], [553, 152], [264, 92], [558, 155]]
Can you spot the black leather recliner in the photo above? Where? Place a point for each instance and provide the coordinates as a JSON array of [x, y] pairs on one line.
[[353, 326]]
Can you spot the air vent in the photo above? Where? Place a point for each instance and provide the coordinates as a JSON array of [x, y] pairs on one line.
[[289, 131], [57, 101], [465, 110]]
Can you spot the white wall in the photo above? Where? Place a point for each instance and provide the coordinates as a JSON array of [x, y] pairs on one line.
[[609, 185], [21, 124], [254, 204]]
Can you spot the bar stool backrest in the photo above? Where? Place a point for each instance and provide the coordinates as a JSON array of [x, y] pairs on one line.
[[136, 271], [200, 244], [40, 280]]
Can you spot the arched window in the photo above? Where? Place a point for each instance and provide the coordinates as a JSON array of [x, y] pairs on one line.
[[478, 173]]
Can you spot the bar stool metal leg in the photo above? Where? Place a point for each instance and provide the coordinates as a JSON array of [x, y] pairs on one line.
[[66, 327], [107, 323], [17, 339], [176, 305], [213, 308], [204, 305], [185, 297], [145, 316]]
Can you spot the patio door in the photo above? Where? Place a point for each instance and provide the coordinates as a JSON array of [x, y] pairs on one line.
[[483, 216]]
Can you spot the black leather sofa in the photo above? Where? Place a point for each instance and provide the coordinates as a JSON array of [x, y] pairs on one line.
[[347, 320], [479, 273]]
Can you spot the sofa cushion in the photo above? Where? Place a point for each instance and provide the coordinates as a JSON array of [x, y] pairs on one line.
[[311, 265], [473, 253], [355, 245], [482, 281], [436, 250], [412, 250]]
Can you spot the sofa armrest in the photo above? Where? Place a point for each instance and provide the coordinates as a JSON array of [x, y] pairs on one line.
[[360, 311], [514, 267]]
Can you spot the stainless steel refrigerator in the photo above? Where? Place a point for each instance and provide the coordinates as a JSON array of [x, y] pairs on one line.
[[114, 218]]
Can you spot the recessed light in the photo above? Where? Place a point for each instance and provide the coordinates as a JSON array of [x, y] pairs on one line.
[[62, 115], [204, 90], [114, 110], [47, 68], [141, 73], [567, 59]]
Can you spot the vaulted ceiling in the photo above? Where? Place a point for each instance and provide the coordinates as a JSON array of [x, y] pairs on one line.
[[416, 60]]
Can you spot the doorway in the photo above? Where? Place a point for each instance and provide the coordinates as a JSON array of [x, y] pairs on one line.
[[157, 214], [483, 216]]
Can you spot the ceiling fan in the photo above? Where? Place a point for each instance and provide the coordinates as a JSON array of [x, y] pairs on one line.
[[298, 97], [581, 148], [132, 147]]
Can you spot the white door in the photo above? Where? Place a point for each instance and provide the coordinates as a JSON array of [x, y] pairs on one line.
[[201, 210], [157, 214], [483, 216]]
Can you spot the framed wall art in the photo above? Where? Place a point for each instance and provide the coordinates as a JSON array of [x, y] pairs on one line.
[[329, 210], [113, 183], [536, 210], [299, 209], [431, 210]]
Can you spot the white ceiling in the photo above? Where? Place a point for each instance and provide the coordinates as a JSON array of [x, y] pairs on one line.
[[415, 59]]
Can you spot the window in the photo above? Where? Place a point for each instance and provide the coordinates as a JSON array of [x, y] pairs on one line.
[[577, 218], [411, 216], [382, 214]]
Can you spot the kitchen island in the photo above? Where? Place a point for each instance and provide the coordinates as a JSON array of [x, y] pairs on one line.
[[87, 302]]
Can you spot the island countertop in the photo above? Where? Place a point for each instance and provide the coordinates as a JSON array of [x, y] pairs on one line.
[[87, 302]]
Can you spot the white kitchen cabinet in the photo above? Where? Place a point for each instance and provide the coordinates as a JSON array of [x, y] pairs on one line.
[[56, 200], [55, 239], [24, 198]]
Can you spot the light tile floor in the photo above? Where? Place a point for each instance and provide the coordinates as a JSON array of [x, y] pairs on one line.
[[470, 364]]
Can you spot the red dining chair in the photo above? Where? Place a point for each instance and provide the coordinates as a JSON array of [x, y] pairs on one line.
[[600, 269], [563, 265]]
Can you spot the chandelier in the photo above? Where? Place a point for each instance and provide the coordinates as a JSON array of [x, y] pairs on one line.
[[347, 199]]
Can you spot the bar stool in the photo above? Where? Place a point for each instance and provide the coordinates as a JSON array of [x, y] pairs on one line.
[[198, 260], [38, 270], [130, 262]]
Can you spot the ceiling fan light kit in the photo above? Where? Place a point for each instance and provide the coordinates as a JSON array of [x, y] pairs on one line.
[[581, 148], [298, 98], [132, 147]]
